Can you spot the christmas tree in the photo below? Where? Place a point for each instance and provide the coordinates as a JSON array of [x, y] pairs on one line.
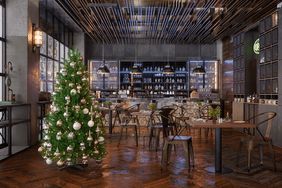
[[73, 131]]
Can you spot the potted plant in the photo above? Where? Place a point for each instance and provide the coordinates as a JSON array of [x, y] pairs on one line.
[[152, 106], [214, 113]]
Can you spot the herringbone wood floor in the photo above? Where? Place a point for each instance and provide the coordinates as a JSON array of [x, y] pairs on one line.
[[128, 166]]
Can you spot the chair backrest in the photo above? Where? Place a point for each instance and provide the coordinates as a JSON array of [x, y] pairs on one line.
[[264, 118], [166, 117]]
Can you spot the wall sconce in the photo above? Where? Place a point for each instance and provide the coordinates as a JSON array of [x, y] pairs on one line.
[[37, 38]]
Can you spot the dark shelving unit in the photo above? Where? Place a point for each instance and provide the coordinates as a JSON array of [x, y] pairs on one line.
[[152, 82]]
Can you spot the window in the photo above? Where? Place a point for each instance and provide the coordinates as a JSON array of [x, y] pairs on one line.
[[57, 39]]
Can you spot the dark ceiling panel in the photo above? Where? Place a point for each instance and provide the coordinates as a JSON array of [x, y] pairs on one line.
[[165, 21]]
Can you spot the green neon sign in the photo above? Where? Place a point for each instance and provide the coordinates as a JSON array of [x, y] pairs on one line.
[[256, 46]]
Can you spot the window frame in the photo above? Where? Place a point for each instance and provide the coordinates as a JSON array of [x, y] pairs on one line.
[[58, 31], [3, 43]]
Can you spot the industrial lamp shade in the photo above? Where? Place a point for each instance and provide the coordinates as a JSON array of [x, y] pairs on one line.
[[168, 70], [199, 70], [136, 70], [103, 70]]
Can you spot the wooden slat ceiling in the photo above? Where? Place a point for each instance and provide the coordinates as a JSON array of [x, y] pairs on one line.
[[165, 21]]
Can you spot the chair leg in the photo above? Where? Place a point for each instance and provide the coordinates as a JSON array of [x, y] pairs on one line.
[[157, 142], [187, 154], [249, 159], [273, 155], [136, 135], [261, 154], [191, 152], [151, 137], [238, 154], [120, 136], [164, 155]]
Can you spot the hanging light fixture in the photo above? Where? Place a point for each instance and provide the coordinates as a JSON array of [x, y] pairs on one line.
[[199, 69], [168, 69], [103, 70], [136, 69]]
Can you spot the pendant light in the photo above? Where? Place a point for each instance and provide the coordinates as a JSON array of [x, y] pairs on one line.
[[103, 70], [168, 69], [199, 69], [135, 69]]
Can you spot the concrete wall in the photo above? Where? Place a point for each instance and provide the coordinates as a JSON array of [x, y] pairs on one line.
[[79, 42], [25, 75]]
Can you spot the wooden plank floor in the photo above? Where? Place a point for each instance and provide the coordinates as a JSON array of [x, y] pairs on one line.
[[128, 166]]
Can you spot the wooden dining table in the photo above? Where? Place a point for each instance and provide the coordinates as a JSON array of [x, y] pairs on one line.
[[218, 168]]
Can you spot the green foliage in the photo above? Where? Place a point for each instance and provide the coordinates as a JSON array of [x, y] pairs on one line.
[[73, 131], [152, 106], [214, 112]]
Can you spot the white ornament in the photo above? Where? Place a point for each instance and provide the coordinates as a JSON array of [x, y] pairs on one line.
[[77, 108], [73, 92], [66, 114], [84, 79], [58, 137], [54, 93], [89, 138], [49, 145], [57, 153], [78, 87], [72, 64], [62, 70], [83, 101], [82, 146], [90, 123], [59, 123], [49, 161], [69, 148], [45, 144], [101, 139], [64, 73], [60, 162], [71, 135], [96, 142], [79, 73], [85, 111], [40, 149], [84, 157], [72, 75], [46, 137], [45, 126], [67, 98], [96, 151], [97, 129], [71, 84], [76, 126]]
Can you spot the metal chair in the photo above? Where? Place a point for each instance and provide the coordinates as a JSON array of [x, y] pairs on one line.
[[129, 121], [177, 138], [252, 141]]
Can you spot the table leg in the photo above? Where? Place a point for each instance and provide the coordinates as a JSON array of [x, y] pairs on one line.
[[218, 155], [10, 131], [110, 122], [218, 150]]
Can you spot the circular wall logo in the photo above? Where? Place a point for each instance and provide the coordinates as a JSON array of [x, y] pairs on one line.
[[256, 47]]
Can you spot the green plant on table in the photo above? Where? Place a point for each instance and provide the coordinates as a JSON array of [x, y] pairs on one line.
[[152, 106], [214, 112]]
